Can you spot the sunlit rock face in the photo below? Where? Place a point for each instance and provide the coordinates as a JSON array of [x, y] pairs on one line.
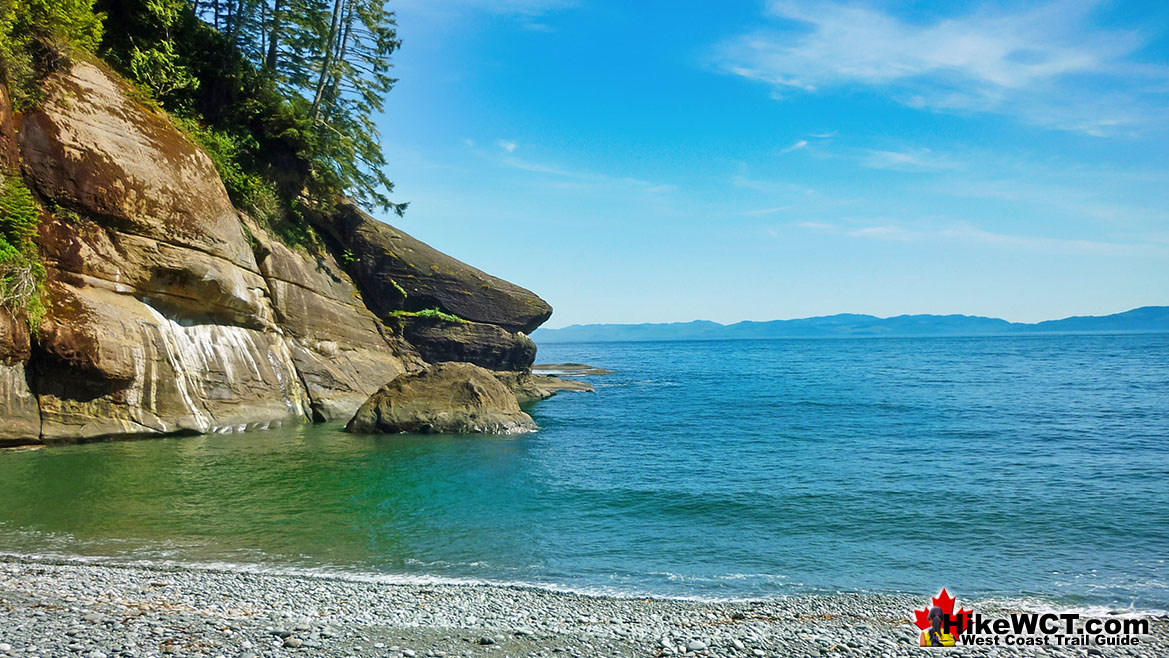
[[159, 320], [168, 311]]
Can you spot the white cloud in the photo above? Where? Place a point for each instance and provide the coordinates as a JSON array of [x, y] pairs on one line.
[[581, 177], [1046, 65], [907, 160], [795, 147], [965, 233], [506, 145], [764, 211]]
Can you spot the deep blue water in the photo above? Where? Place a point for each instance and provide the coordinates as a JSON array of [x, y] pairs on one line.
[[1033, 467]]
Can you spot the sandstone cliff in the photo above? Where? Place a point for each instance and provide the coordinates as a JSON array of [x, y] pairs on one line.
[[169, 311]]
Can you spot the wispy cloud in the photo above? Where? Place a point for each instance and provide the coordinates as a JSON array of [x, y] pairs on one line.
[[1047, 65], [506, 145], [918, 160], [588, 177], [966, 233], [764, 211], [795, 147]]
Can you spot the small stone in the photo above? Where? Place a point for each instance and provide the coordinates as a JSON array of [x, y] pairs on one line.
[[293, 643], [409, 653], [759, 652], [738, 644], [485, 641], [696, 645]]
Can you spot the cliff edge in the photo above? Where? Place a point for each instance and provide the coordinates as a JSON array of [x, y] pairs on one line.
[[169, 311]]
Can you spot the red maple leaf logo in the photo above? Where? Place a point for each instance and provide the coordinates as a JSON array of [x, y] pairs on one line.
[[946, 602]]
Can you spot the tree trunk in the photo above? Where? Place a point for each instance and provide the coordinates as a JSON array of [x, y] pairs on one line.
[[274, 37], [327, 64], [339, 60]]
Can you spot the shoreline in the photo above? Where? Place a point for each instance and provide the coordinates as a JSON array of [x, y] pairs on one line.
[[53, 607]]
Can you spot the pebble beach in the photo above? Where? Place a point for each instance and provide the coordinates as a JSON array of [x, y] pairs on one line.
[[61, 608]]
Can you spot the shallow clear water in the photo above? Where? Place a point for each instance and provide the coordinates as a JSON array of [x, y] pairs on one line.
[[1020, 466]]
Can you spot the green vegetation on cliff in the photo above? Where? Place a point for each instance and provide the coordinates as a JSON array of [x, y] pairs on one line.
[[21, 272], [281, 93], [34, 34], [429, 314]]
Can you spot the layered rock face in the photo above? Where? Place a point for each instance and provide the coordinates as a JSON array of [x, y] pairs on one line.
[[167, 311], [401, 273], [448, 398], [484, 345]]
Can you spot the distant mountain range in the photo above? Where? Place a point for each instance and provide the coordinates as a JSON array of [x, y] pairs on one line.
[[1140, 320]]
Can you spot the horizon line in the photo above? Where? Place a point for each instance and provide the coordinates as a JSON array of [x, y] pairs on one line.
[[846, 313]]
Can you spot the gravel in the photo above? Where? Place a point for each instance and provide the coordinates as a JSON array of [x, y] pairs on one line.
[[51, 608]]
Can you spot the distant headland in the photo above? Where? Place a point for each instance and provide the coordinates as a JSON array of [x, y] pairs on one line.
[[1139, 320]]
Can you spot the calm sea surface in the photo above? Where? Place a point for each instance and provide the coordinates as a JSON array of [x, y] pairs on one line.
[[1034, 467]]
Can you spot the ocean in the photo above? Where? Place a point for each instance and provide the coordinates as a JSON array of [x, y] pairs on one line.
[[1025, 467]]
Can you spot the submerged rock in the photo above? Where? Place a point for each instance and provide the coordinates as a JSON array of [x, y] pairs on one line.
[[529, 387], [448, 398]]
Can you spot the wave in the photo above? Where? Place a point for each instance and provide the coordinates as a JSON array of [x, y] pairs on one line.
[[1031, 603]]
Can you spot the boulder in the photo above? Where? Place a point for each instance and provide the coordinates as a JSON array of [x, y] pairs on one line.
[[448, 398], [485, 345], [399, 272]]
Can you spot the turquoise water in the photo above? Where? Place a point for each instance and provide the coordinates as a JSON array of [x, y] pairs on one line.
[[1032, 467]]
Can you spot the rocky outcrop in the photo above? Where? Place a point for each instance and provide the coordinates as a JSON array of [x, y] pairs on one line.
[[528, 387], [341, 350], [158, 318], [448, 398], [484, 345], [398, 272], [169, 312]]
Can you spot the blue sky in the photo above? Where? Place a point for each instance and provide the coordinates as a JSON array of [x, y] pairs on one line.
[[671, 161]]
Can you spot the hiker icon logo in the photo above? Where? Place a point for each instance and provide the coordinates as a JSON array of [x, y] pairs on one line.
[[940, 625]]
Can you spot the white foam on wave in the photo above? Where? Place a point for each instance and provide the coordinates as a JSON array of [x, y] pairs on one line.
[[1030, 604]]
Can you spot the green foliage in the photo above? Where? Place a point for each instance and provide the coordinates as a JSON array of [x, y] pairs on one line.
[[33, 36], [347, 257], [21, 272], [232, 155], [293, 83], [429, 314]]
